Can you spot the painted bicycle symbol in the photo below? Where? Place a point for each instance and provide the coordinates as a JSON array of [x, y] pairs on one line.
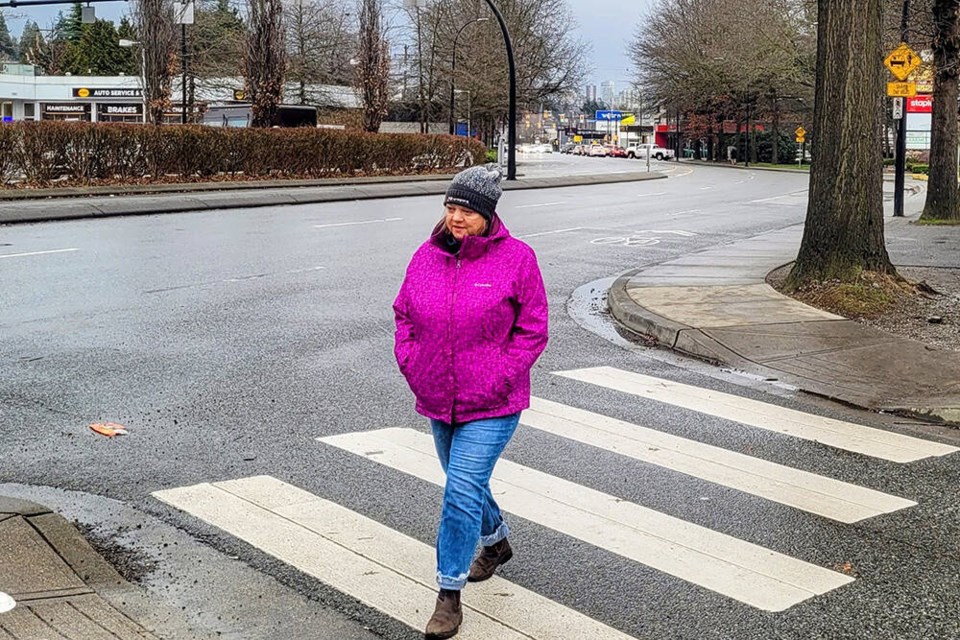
[[639, 238]]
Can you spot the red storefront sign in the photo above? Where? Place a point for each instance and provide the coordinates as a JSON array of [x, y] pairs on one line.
[[920, 104]]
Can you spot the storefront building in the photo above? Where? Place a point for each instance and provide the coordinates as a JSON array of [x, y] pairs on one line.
[[25, 96]]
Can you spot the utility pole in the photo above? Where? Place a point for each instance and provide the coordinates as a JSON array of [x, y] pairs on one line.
[[901, 160]]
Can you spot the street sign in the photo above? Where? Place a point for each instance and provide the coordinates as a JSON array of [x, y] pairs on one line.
[[924, 86], [609, 116], [920, 104], [901, 89], [902, 61], [801, 139], [800, 132], [898, 108]]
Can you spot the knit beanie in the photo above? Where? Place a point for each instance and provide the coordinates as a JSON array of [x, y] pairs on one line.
[[477, 189]]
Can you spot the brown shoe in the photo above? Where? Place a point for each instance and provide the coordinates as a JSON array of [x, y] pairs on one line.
[[489, 559], [446, 618]]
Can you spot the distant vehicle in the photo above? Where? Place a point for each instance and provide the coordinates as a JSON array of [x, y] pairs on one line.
[[640, 151], [598, 151], [616, 152], [579, 150], [567, 148]]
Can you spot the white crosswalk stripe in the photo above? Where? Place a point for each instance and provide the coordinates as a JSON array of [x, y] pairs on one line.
[[746, 572], [800, 489], [380, 567], [857, 438]]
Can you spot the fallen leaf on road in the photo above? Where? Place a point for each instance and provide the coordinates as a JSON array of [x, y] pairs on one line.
[[846, 568], [109, 429]]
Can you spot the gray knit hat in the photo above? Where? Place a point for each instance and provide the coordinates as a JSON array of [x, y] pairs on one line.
[[477, 189]]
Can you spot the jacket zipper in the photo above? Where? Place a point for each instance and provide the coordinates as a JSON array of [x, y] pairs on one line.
[[453, 367]]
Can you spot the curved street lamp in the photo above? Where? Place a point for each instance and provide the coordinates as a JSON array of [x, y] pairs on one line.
[[453, 71], [512, 125]]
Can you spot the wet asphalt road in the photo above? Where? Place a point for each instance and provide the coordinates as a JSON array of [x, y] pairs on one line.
[[229, 341]]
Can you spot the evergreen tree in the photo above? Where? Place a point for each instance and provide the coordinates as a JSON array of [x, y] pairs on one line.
[[31, 43], [98, 52], [8, 47], [70, 27]]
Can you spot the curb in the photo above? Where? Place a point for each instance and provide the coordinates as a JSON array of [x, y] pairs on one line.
[[93, 207], [668, 333], [697, 343], [94, 571], [201, 187], [703, 163]]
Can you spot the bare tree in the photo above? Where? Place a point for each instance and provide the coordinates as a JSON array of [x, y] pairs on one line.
[[551, 60], [264, 61], [319, 41], [943, 198], [158, 37], [843, 235], [373, 65]]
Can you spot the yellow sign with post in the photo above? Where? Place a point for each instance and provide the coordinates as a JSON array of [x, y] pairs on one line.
[[901, 89], [902, 61]]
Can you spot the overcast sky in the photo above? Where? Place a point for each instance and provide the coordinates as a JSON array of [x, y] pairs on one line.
[[607, 25]]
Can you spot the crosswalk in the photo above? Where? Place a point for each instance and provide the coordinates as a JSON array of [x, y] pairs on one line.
[[393, 573]]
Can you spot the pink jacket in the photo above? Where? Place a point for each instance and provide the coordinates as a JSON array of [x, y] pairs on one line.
[[470, 327]]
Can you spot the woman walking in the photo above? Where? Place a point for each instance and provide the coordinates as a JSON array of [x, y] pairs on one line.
[[471, 321]]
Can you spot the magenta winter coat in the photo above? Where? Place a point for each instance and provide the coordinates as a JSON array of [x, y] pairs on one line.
[[470, 327]]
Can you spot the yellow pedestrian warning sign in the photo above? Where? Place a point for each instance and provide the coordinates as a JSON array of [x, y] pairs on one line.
[[902, 61], [800, 132]]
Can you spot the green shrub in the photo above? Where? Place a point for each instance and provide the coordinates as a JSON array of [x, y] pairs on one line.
[[920, 168], [37, 153], [491, 155]]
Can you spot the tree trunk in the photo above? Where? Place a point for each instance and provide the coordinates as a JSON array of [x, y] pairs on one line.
[[943, 198], [843, 235]]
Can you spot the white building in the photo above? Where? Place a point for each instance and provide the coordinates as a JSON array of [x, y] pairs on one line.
[[25, 96]]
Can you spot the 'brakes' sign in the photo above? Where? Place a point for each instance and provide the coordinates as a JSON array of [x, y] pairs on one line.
[[920, 104]]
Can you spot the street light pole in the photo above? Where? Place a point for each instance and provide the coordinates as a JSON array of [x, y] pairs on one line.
[[143, 71], [901, 161], [453, 73], [512, 125]]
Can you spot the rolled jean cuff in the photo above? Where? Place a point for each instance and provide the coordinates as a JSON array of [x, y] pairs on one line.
[[502, 532], [451, 584]]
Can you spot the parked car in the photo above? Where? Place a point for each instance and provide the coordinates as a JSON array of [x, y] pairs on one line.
[[597, 150], [579, 150], [616, 152], [658, 153]]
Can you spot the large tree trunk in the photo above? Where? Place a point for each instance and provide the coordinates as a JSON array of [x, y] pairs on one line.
[[844, 226], [943, 198]]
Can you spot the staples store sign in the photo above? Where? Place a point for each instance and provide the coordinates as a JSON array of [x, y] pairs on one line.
[[920, 104]]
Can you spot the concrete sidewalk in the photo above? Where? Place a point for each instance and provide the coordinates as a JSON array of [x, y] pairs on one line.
[[716, 305], [63, 589], [200, 197]]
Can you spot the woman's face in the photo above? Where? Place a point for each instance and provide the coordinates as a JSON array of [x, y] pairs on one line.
[[462, 222]]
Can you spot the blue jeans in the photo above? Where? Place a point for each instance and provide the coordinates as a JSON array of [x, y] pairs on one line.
[[468, 452]]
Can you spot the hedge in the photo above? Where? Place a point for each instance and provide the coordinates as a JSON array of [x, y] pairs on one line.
[[36, 154]]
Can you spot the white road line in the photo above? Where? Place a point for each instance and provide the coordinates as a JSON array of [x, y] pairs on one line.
[[835, 433], [348, 224], [773, 199], [542, 204], [746, 572], [810, 492], [547, 233], [382, 568], [680, 213], [36, 253], [650, 195]]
